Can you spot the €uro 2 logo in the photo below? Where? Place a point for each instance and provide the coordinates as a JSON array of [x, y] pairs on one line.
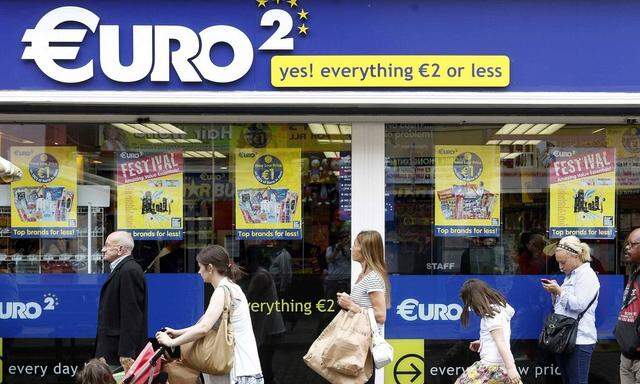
[[43, 168], [151, 46], [28, 310], [268, 169], [467, 166], [412, 310]]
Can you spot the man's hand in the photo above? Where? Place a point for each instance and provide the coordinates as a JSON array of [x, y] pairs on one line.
[[126, 363]]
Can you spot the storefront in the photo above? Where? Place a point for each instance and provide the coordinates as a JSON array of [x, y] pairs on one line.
[[280, 129]]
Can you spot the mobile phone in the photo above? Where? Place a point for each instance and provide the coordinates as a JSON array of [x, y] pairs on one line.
[[546, 281]]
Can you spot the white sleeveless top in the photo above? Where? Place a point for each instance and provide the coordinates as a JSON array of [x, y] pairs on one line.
[[247, 362]]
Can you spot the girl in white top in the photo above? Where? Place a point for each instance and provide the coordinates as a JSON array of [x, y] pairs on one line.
[[372, 286], [496, 363], [217, 269]]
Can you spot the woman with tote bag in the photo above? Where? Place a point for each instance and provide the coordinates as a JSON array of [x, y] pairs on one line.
[[371, 290], [228, 307]]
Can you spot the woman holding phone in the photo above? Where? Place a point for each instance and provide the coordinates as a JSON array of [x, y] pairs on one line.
[[577, 293]]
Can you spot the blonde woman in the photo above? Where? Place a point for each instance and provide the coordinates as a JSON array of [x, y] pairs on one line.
[[371, 289], [580, 287]]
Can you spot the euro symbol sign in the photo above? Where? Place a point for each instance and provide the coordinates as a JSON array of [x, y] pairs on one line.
[[45, 33]]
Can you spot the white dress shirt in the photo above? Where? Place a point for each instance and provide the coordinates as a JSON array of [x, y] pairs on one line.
[[578, 289], [117, 261]]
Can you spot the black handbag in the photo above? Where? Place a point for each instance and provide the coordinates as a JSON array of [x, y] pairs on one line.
[[559, 332]]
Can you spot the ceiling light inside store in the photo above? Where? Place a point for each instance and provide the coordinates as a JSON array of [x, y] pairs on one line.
[[506, 129], [317, 129], [506, 142], [196, 141], [598, 130], [173, 129], [493, 142], [522, 128], [520, 142], [347, 141], [192, 154], [332, 129], [345, 129], [331, 155], [536, 129], [171, 141], [512, 155], [324, 141], [144, 129], [182, 141], [550, 130], [219, 155], [155, 141], [534, 142], [126, 128], [208, 154], [157, 128]]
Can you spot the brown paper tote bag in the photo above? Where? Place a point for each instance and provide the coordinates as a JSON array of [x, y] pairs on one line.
[[213, 354], [341, 353]]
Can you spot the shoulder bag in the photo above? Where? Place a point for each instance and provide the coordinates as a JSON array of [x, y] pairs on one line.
[[213, 353], [559, 332], [381, 351]]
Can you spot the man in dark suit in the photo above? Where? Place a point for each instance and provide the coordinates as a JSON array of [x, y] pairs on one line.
[[122, 313]]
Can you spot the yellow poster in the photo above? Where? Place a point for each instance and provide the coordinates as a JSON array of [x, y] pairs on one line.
[[408, 365], [268, 192], [467, 191], [626, 141], [150, 195], [582, 189], [44, 202]]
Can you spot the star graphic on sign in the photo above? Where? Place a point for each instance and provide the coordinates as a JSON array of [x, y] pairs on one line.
[[293, 3], [262, 3], [303, 14], [303, 29]]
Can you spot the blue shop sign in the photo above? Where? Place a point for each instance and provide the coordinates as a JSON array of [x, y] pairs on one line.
[[66, 305], [429, 307], [269, 45]]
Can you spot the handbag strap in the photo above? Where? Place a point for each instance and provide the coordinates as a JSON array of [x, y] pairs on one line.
[[588, 306], [372, 321], [227, 300]]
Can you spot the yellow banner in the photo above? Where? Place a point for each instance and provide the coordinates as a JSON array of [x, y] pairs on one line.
[[626, 141], [408, 365], [467, 191], [44, 202], [267, 203], [582, 189], [389, 71], [150, 195]]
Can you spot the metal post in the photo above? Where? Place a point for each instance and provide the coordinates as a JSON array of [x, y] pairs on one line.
[[89, 212]]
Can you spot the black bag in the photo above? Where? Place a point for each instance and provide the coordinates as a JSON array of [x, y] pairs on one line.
[[559, 332]]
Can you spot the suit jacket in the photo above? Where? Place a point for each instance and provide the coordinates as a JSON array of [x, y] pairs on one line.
[[122, 313]]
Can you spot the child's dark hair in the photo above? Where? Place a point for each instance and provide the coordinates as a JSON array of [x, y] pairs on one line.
[[480, 298], [95, 372], [219, 258]]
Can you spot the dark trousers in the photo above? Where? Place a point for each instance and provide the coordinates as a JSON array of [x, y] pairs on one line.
[[574, 366]]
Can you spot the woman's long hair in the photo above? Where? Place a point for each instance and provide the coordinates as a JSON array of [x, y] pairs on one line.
[[480, 298], [219, 258], [372, 250]]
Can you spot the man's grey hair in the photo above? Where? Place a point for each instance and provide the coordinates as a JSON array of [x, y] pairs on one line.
[[124, 239]]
